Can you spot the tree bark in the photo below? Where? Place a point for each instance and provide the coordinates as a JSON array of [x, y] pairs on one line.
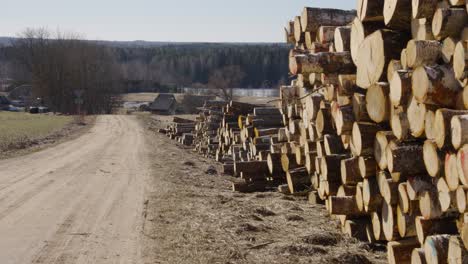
[[324, 62], [423, 52], [313, 18], [436, 85], [397, 14], [449, 22]]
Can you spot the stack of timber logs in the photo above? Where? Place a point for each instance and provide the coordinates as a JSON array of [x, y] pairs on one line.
[[378, 115]]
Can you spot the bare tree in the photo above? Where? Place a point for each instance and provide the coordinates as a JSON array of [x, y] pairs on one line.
[[225, 79], [65, 63]]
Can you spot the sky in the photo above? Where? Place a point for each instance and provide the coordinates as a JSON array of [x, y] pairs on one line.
[[160, 20]]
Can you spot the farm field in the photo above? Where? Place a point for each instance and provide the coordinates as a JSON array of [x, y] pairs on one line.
[[21, 133]]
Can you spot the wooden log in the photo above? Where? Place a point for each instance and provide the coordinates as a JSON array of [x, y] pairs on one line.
[[448, 49], [417, 185], [367, 167], [451, 171], [288, 162], [372, 199], [298, 180], [429, 205], [449, 22], [464, 235], [423, 52], [320, 47], [421, 29], [313, 198], [333, 144], [462, 165], [429, 124], [382, 138], [299, 35], [445, 196], [323, 62], [313, 18], [390, 227], [405, 223], [266, 111], [400, 251], [429, 227], [363, 138], [433, 159], [274, 163], [245, 187], [376, 51], [251, 167], [359, 31], [359, 108], [424, 8], [442, 127], [407, 206], [397, 14], [309, 38], [397, 158], [436, 249], [344, 120], [461, 199], [418, 256], [310, 161], [389, 190], [378, 102], [324, 123], [457, 253], [393, 66], [400, 125], [400, 88], [460, 60], [403, 59], [342, 38], [370, 10], [376, 220], [435, 85], [326, 34], [289, 33], [330, 167], [350, 174], [356, 228], [344, 205], [416, 114]]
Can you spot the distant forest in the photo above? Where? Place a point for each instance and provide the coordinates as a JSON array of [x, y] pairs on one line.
[[167, 66]]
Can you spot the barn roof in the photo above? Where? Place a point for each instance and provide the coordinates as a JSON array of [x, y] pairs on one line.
[[163, 102]]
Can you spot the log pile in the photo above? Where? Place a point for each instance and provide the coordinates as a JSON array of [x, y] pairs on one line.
[[383, 122], [374, 125]]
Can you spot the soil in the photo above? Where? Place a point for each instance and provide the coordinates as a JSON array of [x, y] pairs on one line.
[[121, 193], [192, 216]]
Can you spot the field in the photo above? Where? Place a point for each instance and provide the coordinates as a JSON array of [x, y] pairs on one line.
[[20, 130]]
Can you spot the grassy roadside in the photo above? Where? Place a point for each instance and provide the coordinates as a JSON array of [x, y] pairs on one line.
[[21, 133]]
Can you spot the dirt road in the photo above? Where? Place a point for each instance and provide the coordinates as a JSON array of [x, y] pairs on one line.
[[79, 202]]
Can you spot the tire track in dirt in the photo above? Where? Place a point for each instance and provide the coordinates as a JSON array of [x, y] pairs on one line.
[[78, 202]]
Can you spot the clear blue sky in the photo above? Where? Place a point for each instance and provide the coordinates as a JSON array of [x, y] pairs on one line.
[[160, 20]]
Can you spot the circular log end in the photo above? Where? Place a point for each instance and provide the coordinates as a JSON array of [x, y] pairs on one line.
[[431, 158]]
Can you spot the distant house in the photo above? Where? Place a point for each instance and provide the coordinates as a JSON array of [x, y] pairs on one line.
[[164, 104]]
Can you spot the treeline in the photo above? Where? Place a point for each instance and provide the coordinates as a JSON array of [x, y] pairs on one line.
[[261, 65], [57, 65], [68, 73]]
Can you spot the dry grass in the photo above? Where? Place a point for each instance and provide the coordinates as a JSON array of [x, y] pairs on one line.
[[18, 130], [194, 217]]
